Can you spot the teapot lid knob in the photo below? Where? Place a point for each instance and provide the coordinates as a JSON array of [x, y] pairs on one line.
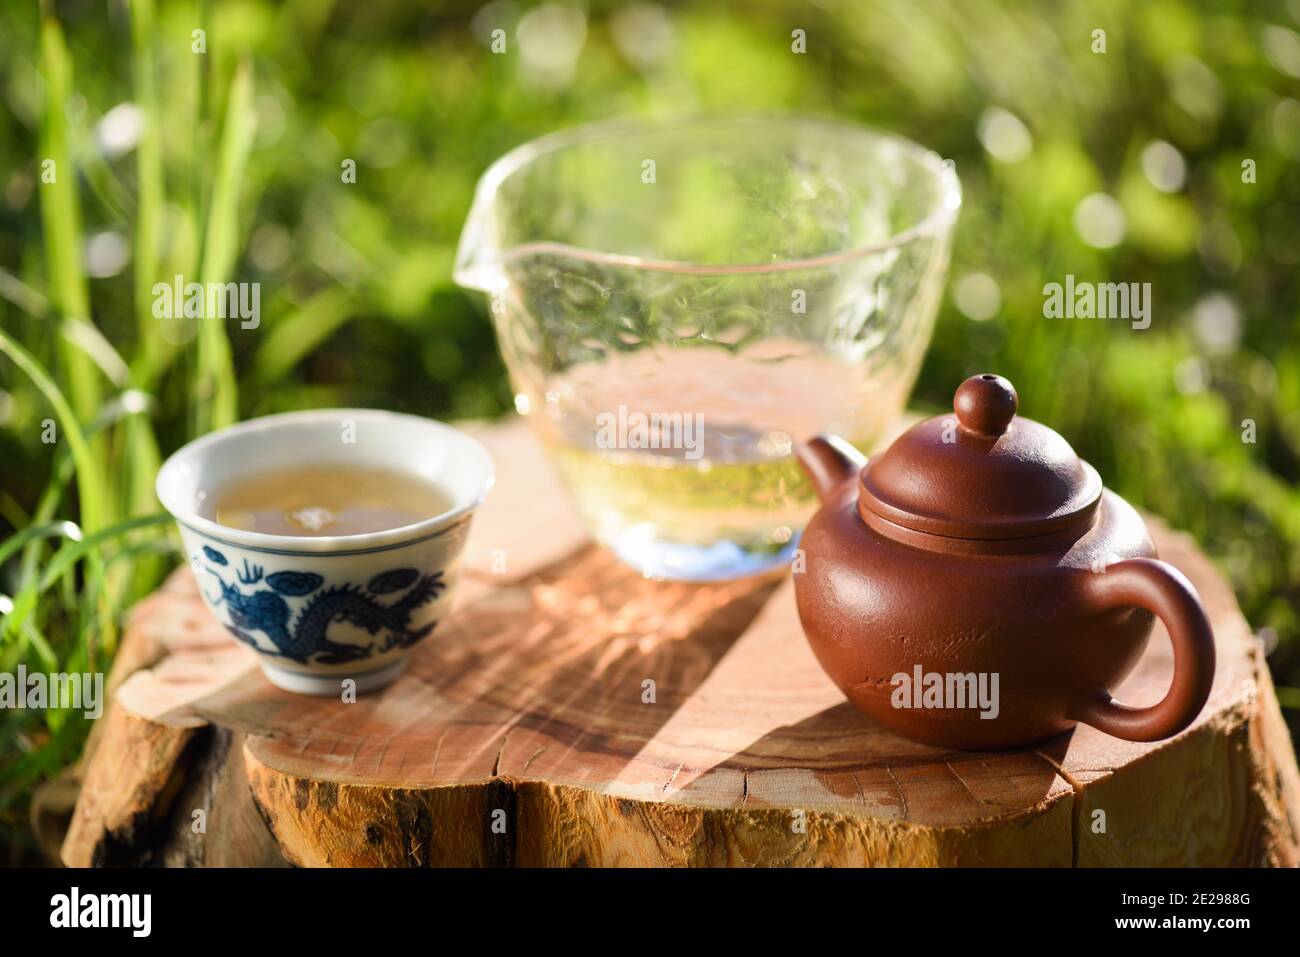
[[985, 404], [991, 475]]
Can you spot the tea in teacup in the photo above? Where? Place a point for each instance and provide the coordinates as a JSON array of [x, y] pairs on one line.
[[330, 560], [319, 500]]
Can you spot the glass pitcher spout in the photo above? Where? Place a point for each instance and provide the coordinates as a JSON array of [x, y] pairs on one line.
[[478, 253]]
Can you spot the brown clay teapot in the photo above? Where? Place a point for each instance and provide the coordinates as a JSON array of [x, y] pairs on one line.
[[975, 586]]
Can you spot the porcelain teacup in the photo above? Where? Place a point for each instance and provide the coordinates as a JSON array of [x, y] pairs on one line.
[[321, 610]]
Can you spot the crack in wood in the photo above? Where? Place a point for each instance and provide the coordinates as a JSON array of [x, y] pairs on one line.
[[966, 787], [902, 795], [437, 751]]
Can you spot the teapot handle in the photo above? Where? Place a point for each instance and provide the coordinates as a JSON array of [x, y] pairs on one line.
[[1163, 590]]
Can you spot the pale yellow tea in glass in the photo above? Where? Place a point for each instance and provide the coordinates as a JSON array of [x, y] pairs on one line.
[[319, 500]]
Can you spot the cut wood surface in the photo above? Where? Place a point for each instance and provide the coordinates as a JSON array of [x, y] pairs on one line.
[[571, 712]]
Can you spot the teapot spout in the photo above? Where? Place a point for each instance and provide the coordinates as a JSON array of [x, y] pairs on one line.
[[829, 462]]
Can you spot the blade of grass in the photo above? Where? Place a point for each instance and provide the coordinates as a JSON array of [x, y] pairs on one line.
[[36, 641], [162, 550], [87, 337], [48, 530], [12, 511], [217, 390], [143, 458], [98, 176], [74, 551], [90, 481], [23, 296], [114, 411], [33, 642], [150, 186], [61, 216], [88, 547]]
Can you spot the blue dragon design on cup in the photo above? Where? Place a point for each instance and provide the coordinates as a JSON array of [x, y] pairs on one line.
[[303, 638]]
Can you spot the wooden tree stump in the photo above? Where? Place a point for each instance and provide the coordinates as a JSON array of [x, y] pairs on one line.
[[523, 733]]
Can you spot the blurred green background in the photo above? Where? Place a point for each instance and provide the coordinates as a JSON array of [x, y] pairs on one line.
[[1122, 165]]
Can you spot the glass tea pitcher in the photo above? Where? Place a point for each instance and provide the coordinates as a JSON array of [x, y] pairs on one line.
[[679, 303]]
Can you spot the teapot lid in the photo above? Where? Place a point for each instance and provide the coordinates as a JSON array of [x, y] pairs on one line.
[[985, 474]]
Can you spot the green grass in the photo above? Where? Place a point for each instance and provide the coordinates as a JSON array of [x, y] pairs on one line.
[[235, 175], [70, 577]]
